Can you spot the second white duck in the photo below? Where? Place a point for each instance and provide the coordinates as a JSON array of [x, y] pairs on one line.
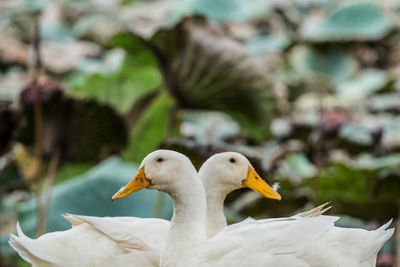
[[301, 242]]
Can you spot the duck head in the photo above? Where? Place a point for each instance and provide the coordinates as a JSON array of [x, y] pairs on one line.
[[163, 170], [229, 171]]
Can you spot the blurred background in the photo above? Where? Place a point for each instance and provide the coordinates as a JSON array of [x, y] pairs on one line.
[[308, 90]]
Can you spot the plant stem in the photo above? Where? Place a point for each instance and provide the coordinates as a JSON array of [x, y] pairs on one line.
[[171, 123], [318, 145], [134, 114], [38, 122], [38, 118], [46, 197], [397, 239]]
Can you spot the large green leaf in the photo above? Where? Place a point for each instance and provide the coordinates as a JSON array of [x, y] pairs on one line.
[[369, 162], [340, 182], [138, 76], [150, 130], [70, 170], [267, 44], [334, 63], [229, 10], [350, 21], [208, 128], [205, 69], [362, 132], [356, 190], [83, 129], [90, 194], [356, 133], [366, 83], [385, 102], [296, 167]]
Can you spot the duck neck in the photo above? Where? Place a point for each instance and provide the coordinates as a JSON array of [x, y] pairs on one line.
[[187, 228], [215, 219]]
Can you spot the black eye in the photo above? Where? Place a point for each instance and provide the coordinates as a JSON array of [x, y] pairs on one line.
[[160, 159], [232, 160]]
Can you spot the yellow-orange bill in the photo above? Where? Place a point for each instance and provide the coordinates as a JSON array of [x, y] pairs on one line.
[[137, 183], [255, 182]]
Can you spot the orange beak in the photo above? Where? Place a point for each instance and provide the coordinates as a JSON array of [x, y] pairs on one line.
[[137, 183], [255, 182]]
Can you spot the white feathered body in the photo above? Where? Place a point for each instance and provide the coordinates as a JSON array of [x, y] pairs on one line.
[[96, 241], [305, 242]]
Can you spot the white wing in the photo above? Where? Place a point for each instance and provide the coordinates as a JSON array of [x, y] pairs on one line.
[[123, 229], [306, 241], [350, 246], [96, 241]]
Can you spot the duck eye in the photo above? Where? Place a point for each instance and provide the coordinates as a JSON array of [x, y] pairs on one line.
[[160, 159], [232, 160]]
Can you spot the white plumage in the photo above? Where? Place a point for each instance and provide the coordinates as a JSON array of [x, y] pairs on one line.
[[310, 241], [303, 240], [96, 242]]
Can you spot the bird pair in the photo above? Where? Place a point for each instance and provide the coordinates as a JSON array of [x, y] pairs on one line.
[[197, 234]]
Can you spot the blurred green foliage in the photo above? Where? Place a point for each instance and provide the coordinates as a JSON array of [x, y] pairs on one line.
[[150, 130], [309, 92], [332, 62], [350, 21], [138, 75]]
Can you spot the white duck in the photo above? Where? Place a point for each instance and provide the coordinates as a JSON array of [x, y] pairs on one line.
[[223, 173], [139, 238], [311, 241], [136, 237]]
